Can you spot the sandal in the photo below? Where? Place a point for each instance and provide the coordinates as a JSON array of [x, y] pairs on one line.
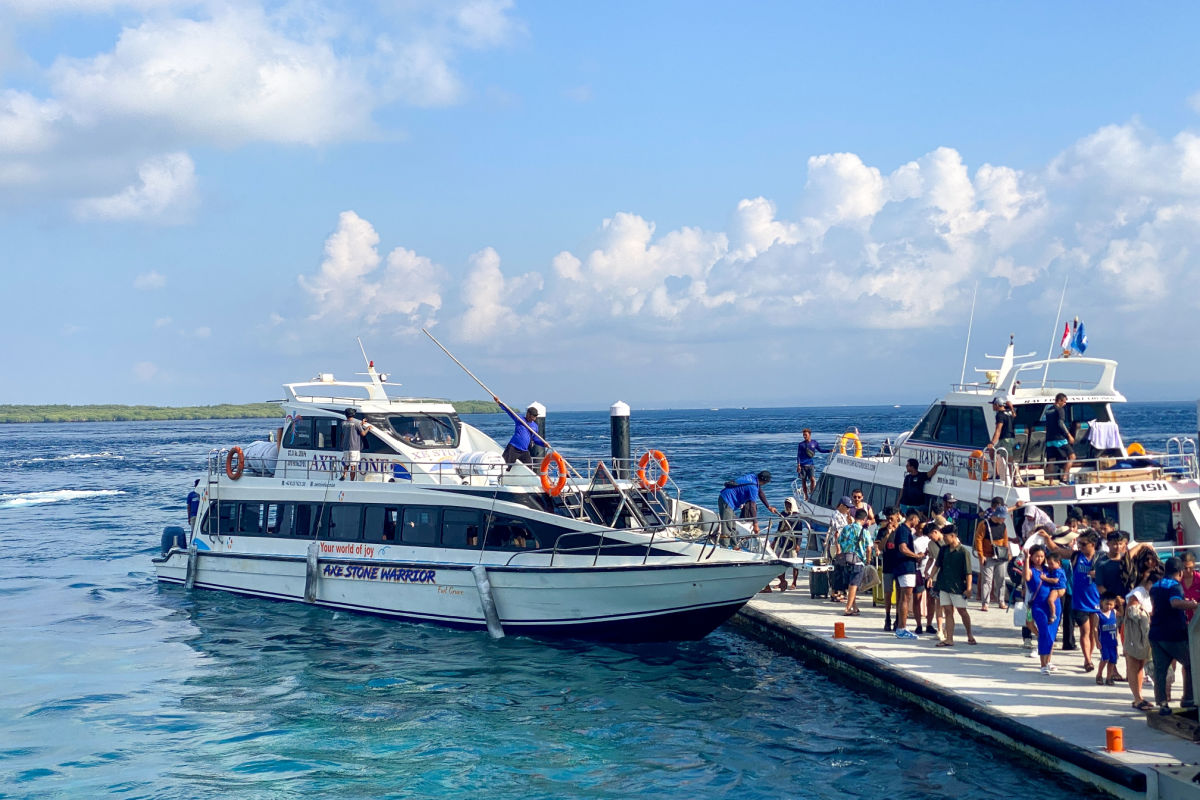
[[944, 644], [1100, 681], [1144, 705], [1088, 667], [1109, 682]]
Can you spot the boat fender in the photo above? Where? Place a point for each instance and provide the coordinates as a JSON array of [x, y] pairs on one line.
[[664, 469], [977, 463], [173, 536], [850, 436], [312, 573], [235, 472], [193, 564], [487, 601], [553, 489]]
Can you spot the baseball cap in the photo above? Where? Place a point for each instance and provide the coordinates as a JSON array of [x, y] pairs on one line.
[[949, 498], [845, 501]]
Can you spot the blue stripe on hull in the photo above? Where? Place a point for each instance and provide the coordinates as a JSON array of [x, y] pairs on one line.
[[664, 626]]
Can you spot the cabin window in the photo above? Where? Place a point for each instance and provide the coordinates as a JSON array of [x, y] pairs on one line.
[[273, 518], [299, 434], [1152, 521], [381, 523], [507, 533], [460, 528], [325, 433], [251, 518], [304, 519], [227, 517], [963, 426], [344, 522], [928, 424], [420, 526], [1088, 412], [822, 493], [421, 430]]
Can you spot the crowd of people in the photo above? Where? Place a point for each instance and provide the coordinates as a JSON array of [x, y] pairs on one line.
[[1082, 583]]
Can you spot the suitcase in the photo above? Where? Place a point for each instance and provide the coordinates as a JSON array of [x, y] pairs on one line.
[[818, 582]]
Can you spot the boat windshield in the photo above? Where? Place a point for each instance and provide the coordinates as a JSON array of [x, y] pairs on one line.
[[421, 429]]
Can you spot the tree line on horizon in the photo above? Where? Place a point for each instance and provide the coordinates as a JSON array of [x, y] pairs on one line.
[[123, 413]]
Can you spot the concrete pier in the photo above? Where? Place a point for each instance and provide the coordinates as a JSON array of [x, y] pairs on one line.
[[992, 688]]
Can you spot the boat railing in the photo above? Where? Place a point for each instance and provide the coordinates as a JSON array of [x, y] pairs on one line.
[[704, 533], [994, 465]]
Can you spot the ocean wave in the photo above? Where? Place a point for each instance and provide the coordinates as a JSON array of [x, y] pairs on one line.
[[72, 457], [52, 496]]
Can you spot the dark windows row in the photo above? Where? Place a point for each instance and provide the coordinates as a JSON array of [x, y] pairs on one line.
[[415, 430], [832, 488], [352, 522], [963, 426]]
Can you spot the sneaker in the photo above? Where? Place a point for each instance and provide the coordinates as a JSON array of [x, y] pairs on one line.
[[903, 634], [1052, 668], [1164, 710], [1045, 670]]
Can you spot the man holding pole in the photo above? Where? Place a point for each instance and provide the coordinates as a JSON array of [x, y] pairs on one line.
[[524, 433]]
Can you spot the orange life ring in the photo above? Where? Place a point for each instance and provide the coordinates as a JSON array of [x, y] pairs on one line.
[[976, 461], [664, 469], [849, 436], [234, 474], [553, 489]]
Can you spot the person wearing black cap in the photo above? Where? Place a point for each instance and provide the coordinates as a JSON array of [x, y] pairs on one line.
[[193, 504], [353, 431], [739, 496], [1004, 437], [912, 494]]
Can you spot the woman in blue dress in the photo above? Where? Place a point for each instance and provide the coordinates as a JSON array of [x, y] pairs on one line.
[[1042, 588]]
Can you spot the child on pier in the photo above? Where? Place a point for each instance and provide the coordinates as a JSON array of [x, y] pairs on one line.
[[1108, 640]]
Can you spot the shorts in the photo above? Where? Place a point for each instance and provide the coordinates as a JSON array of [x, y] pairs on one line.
[[1009, 446], [807, 472], [889, 583], [1080, 617], [854, 575], [352, 457], [907, 581], [952, 599], [1064, 453]]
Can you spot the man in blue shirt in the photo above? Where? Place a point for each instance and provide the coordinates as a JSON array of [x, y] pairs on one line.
[[1169, 633], [525, 432], [739, 496], [193, 504], [805, 468]]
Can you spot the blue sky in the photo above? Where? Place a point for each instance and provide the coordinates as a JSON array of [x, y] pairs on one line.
[[673, 204]]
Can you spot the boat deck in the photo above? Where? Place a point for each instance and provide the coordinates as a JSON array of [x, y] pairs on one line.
[[992, 687]]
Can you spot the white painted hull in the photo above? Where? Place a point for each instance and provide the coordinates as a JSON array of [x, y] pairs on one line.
[[623, 602]]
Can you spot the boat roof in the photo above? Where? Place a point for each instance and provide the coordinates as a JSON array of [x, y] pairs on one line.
[[368, 396], [1080, 379]]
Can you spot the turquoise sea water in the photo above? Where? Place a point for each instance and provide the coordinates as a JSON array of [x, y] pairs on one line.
[[111, 686]]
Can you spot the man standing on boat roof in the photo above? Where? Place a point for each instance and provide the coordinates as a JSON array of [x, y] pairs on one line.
[[193, 504], [912, 495], [1059, 455], [739, 496], [805, 468], [353, 431], [1004, 437], [524, 433]]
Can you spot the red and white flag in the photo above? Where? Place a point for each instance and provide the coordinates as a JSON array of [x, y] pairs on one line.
[[1066, 340]]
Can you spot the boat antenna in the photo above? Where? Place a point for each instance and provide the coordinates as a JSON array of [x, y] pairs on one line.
[[963, 376], [364, 351], [1054, 330], [492, 394]]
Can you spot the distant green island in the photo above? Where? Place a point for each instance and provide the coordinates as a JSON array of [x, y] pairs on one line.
[[114, 413]]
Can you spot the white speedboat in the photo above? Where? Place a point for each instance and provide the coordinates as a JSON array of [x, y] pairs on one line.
[[436, 529], [1155, 496]]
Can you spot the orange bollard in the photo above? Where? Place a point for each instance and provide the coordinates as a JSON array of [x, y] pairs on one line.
[[839, 630], [1114, 739]]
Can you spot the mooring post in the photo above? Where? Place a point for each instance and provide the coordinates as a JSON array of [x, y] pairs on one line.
[[618, 415]]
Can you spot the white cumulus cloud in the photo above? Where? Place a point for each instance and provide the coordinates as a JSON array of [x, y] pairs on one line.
[[148, 281], [165, 191]]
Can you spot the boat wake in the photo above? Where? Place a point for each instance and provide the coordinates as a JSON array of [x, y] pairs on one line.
[[52, 496]]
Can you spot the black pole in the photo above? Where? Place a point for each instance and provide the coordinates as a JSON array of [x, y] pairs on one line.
[[619, 423]]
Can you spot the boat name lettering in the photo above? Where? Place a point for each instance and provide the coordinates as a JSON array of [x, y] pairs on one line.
[[295, 483], [1109, 490], [336, 463], [374, 572]]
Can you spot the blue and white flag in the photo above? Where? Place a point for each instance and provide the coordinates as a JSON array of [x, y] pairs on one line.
[[1079, 340]]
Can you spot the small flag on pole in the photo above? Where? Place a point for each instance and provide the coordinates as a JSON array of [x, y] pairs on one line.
[[1066, 339], [1079, 340]]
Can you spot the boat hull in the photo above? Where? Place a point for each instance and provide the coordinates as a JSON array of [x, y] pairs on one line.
[[622, 603]]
